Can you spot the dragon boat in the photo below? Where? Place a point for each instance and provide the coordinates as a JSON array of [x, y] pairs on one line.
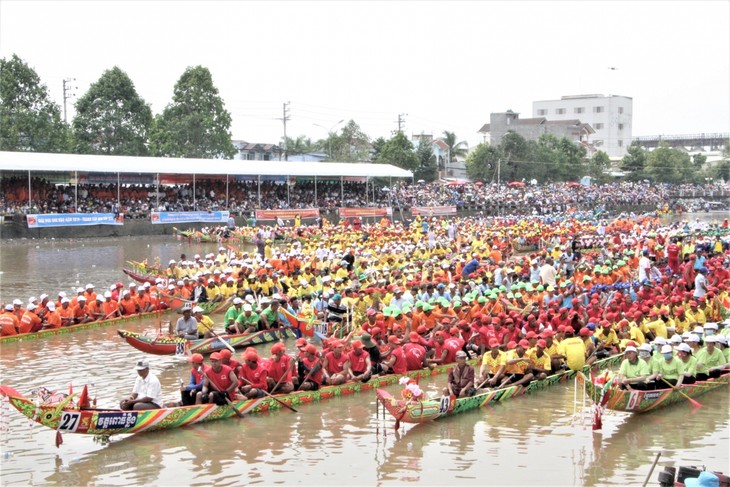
[[610, 396], [65, 416], [143, 277], [168, 345], [73, 328], [423, 411]]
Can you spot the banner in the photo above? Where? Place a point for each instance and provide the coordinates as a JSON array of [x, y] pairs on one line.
[[364, 212], [160, 217], [287, 214], [73, 219], [433, 210]]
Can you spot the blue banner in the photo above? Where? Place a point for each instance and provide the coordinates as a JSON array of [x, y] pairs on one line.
[[189, 216], [73, 219]]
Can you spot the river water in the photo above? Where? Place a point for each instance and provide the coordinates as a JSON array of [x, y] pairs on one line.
[[539, 439]]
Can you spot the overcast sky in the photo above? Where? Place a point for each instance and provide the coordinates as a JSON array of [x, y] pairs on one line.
[[445, 65]]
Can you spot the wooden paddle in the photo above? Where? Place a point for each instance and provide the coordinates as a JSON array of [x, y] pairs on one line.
[[285, 373], [692, 401], [271, 396], [225, 396], [306, 378], [228, 345]]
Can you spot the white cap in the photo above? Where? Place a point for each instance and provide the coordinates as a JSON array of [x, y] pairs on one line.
[[32, 299], [196, 256], [249, 298], [99, 297], [147, 284], [265, 300], [180, 283], [699, 330], [89, 286], [708, 339], [230, 279], [132, 284], [51, 306], [660, 341], [8, 307], [676, 339], [65, 300], [126, 292], [112, 287], [80, 290], [172, 261], [645, 347], [711, 326], [17, 302], [62, 294], [158, 280], [683, 347], [721, 339], [247, 307], [237, 301], [31, 307], [667, 349], [197, 309], [693, 338], [171, 287], [43, 296], [81, 298], [108, 294], [630, 348]]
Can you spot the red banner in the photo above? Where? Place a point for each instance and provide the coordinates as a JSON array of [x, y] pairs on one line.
[[287, 214], [433, 210], [363, 212]]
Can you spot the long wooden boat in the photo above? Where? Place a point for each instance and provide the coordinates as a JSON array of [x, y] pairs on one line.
[[73, 328], [409, 411], [143, 277], [167, 345], [613, 397], [67, 417]]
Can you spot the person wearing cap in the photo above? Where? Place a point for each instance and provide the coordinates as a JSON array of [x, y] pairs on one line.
[[143, 300], [460, 382], [248, 321], [395, 360], [493, 364], [30, 322], [518, 365], [541, 364], [232, 313], [634, 373], [311, 369], [147, 391], [205, 323], [187, 326], [109, 307], [667, 372], [190, 391], [572, 350], [333, 364], [52, 319], [689, 363], [80, 312], [281, 367], [253, 375], [711, 362], [9, 322], [219, 382], [358, 366], [415, 352]]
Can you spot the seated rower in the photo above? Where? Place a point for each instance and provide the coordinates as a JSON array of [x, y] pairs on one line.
[[147, 392], [334, 364], [493, 365], [711, 362], [689, 363], [312, 367], [461, 378], [219, 382], [253, 375], [358, 366], [189, 391], [205, 323], [232, 314], [187, 326], [518, 365], [634, 372], [668, 371], [540, 360], [246, 322], [281, 365]]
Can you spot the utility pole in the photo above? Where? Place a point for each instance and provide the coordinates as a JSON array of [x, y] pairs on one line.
[[284, 119], [401, 121], [67, 93]]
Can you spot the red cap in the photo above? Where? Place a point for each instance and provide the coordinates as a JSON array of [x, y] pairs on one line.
[[454, 330], [357, 344], [375, 331], [530, 335], [511, 345], [196, 358], [311, 349], [585, 332], [541, 343], [225, 353], [215, 356], [547, 333], [524, 343], [394, 339], [301, 342], [421, 329], [278, 347], [414, 337], [493, 343]]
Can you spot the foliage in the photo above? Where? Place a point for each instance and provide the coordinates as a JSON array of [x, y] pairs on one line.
[[111, 118], [31, 121], [302, 145], [377, 145], [399, 152], [699, 160], [598, 165], [427, 168], [196, 123], [456, 149], [634, 162], [350, 145], [481, 163], [667, 165]]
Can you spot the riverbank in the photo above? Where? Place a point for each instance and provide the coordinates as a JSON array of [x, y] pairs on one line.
[[16, 227]]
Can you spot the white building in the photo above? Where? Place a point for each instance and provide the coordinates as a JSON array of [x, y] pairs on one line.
[[610, 116]]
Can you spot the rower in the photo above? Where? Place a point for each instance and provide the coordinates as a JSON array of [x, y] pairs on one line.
[[147, 391], [189, 391], [281, 366], [634, 373], [205, 323], [9, 323], [253, 375], [493, 364], [358, 366], [219, 382]]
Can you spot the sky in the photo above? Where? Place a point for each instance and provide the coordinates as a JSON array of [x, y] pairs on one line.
[[441, 65]]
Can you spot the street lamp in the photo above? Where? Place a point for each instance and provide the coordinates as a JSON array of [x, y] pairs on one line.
[[329, 135]]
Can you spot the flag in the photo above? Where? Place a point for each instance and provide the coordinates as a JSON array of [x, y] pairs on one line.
[[84, 398], [306, 327]]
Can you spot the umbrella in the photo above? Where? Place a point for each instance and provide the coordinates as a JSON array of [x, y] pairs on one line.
[[516, 184], [420, 181], [573, 184]]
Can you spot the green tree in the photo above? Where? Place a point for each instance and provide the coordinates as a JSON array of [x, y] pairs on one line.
[[29, 119], [399, 152], [196, 124], [351, 144], [668, 165], [481, 163], [427, 168], [301, 145], [699, 160], [634, 162], [455, 149], [599, 164], [111, 118], [377, 147], [517, 157]]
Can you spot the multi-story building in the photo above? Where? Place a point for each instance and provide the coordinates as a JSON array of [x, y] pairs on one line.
[[248, 151], [532, 128], [609, 116]]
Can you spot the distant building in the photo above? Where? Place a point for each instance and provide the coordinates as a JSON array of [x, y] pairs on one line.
[[447, 169], [609, 116], [308, 157], [248, 151], [532, 128]]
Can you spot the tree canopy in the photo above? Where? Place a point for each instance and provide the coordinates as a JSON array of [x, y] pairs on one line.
[[29, 119], [111, 118], [196, 124], [398, 150]]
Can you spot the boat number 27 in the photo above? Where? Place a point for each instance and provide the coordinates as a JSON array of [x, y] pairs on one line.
[[69, 422]]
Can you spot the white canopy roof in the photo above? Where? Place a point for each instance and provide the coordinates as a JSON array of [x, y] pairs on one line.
[[35, 161]]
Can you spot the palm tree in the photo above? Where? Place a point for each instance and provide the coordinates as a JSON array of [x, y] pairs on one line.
[[456, 149]]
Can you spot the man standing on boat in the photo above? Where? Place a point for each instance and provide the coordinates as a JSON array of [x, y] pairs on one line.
[[461, 378], [147, 392]]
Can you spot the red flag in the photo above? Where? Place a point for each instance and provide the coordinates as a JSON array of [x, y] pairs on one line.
[[59, 439], [84, 398]]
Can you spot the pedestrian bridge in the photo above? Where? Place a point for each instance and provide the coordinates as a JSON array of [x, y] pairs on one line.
[[707, 142]]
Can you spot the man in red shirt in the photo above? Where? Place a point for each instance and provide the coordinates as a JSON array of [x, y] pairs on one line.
[[396, 362], [312, 368], [415, 352], [253, 375], [219, 382], [334, 364], [281, 365], [358, 366]]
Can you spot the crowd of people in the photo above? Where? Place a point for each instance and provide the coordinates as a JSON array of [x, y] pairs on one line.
[[138, 200], [389, 298]]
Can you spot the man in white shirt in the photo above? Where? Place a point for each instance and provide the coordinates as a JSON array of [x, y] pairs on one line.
[[147, 392], [644, 266], [548, 273]]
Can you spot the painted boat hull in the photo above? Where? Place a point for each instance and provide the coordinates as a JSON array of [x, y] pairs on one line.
[[72, 328], [172, 346], [111, 422], [634, 401], [429, 410]]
